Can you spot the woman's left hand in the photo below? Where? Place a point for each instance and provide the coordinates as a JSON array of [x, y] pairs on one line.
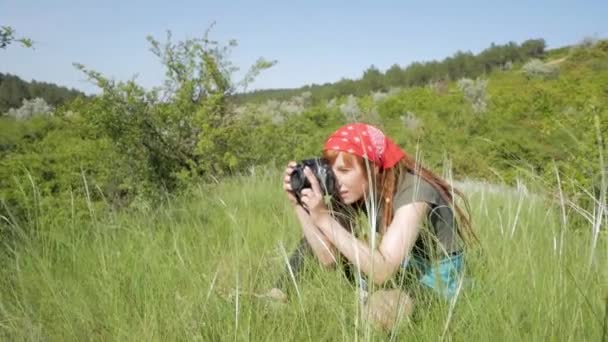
[[313, 198]]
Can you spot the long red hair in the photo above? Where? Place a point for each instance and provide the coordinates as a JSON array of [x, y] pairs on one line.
[[386, 182]]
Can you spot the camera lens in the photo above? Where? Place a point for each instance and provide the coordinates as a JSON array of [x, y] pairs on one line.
[[298, 180]]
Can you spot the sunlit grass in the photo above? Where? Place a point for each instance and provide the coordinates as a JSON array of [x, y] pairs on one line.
[[190, 270]]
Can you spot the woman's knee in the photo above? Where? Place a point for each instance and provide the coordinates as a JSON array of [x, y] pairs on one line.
[[387, 308]]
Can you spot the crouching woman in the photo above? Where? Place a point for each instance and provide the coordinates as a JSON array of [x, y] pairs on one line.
[[417, 229]]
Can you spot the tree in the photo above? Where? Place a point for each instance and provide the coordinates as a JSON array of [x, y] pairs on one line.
[[7, 37], [13, 90], [533, 48], [180, 129], [372, 80], [395, 76]]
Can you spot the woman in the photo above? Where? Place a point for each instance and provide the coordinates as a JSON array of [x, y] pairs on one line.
[[412, 210]]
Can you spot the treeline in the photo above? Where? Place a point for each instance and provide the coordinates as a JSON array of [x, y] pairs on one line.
[[459, 65], [13, 90]]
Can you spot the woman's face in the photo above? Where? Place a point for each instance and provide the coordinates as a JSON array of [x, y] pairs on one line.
[[352, 182]]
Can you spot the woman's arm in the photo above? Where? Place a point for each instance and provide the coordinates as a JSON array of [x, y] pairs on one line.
[[321, 247], [380, 263], [398, 241], [319, 243]]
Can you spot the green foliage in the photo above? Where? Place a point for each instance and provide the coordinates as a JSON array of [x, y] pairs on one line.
[[7, 37], [182, 130], [45, 160], [144, 144]]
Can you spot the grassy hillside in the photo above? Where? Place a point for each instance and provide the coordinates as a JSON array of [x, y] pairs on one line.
[[189, 271], [139, 214]]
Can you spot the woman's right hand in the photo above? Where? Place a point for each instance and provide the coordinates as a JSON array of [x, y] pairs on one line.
[[287, 184]]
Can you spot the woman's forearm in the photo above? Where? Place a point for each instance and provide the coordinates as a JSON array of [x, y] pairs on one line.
[[319, 243], [370, 261]]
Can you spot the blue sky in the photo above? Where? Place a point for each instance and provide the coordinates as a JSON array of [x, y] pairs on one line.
[[313, 41]]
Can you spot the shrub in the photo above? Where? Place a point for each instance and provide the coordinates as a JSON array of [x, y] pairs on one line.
[[30, 108], [475, 92], [535, 68], [350, 109]]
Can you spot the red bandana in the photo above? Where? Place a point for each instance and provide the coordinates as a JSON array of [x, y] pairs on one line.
[[365, 141]]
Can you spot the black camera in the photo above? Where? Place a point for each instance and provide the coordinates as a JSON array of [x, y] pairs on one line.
[[321, 168]]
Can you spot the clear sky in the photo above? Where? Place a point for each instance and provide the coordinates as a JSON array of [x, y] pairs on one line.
[[313, 41]]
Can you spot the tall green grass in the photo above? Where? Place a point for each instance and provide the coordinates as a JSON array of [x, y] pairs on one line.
[[189, 270]]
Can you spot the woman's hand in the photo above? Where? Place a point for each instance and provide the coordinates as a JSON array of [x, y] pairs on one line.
[[287, 184], [312, 199]]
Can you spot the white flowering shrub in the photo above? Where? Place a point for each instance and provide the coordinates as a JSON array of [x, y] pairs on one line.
[[378, 96], [371, 116], [587, 42], [30, 108], [291, 107], [439, 87], [394, 91], [535, 68], [332, 103], [303, 99], [278, 110], [350, 109], [475, 92], [411, 121]]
